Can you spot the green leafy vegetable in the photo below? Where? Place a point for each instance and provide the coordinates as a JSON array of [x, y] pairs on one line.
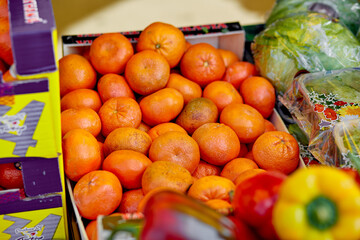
[[346, 11], [345, 85], [307, 42]]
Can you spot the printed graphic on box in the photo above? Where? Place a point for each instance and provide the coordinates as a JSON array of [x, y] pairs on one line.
[[26, 122], [48, 224]]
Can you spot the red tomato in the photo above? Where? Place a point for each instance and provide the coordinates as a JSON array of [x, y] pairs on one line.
[[254, 200]]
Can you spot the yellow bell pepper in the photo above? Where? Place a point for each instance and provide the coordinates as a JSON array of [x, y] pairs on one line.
[[318, 203]]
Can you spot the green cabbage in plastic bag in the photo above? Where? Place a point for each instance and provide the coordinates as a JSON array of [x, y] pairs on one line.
[[309, 43], [347, 11]]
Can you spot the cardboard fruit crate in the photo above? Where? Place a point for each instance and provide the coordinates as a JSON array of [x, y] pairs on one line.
[[229, 36], [30, 127]]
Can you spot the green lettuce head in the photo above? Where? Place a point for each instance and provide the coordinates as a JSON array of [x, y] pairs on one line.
[[303, 43], [346, 11]]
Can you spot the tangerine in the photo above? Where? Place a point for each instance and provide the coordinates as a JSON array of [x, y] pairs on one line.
[[165, 39], [245, 120], [110, 52], [11, 175], [6, 51], [81, 153], [222, 94], [197, 112], [278, 151], [166, 174], [161, 106], [97, 193], [211, 187], [236, 166], [238, 71], [144, 127], [218, 143], [206, 169], [186, 87], [81, 98], [8, 76], [202, 63], [162, 128], [75, 72], [128, 166], [247, 174], [127, 138], [269, 126], [228, 56], [84, 118], [113, 85], [130, 201], [220, 205], [147, 72], [259, 93], [90, 230], [119, 112], [177, 147]]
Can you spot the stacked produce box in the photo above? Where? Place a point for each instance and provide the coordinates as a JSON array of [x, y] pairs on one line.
[[33, 200]]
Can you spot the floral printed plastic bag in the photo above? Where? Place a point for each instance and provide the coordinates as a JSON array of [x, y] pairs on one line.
[[318, 101], [303, 141]]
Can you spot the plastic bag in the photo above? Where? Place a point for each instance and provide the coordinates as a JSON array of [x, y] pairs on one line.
[[347, 140], [346, 11], [317, 101], [303, 43]]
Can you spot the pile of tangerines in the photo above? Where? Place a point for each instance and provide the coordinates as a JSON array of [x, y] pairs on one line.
[[164, 113]]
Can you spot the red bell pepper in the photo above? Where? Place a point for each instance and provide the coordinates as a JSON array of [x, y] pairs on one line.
[[176, 216], [172, 215], [244, 230], [254, 200]]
